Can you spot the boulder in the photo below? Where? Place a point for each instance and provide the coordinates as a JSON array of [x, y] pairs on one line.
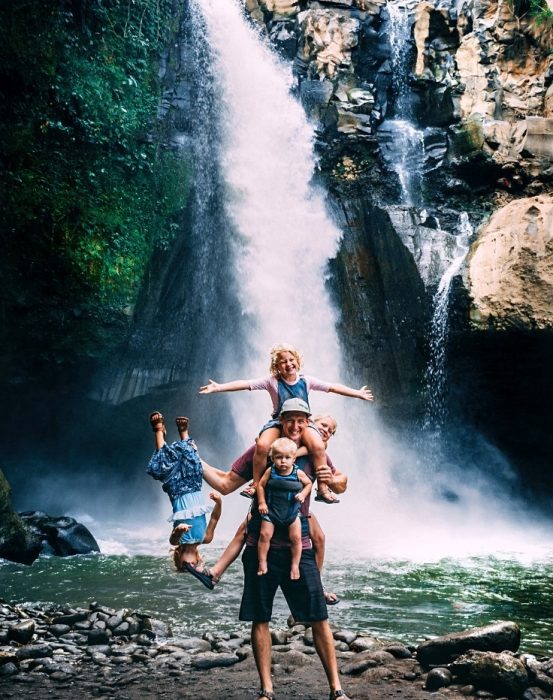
[[510, 267], [500, 636], [16, 542], [61, 536], [500, 673]]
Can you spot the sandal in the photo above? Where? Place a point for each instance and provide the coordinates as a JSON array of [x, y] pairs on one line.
[[326, 497], [202, 575], [157, 422], [266, 694], [249, 491], [331, 598], [182, 423], [337, 694]]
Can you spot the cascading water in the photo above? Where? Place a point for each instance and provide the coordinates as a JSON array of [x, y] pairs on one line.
[[435, 375], [284, 236], [402, 143]]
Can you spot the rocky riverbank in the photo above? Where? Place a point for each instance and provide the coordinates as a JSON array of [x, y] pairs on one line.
[[62, 652]]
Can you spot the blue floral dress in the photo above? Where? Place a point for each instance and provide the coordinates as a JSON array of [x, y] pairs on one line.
[[179, 468]]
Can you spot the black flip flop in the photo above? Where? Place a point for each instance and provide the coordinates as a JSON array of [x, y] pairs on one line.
[[323, 499], [202, 576]]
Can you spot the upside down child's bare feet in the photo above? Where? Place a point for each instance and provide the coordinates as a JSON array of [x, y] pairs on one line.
[[182, 426], [177, 533]]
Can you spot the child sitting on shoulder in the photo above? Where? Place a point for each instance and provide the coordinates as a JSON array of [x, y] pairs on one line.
[[179, 468], [286, 382], [280, 492]]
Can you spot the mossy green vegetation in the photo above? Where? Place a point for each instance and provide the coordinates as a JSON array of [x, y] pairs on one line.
[[87, 190]]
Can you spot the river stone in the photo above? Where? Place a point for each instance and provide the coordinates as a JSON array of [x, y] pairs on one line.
[[193, 644], [8, 669], [22, 632], [99, 649], [212, 660], [280, 636], [97, 637], [360, 663], [34, 651], [363, 644], [346, 636], [398, 651], [500, 673], [8, 656], [291, 659], [438, 678], [501, 636], [58, 630], [71, 618], [300, 646]]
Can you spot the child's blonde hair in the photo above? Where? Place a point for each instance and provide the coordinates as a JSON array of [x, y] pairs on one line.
[[283, 443], [176, 554], [327, 415], [276, 351]]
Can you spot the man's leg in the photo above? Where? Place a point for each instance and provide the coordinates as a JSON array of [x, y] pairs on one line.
[[324, 644], [261, 646]]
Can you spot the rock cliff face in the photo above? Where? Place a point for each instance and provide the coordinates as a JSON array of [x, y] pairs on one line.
[[436, 135]]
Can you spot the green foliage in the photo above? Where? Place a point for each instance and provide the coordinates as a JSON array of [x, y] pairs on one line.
[[87, 191], [539, 10]]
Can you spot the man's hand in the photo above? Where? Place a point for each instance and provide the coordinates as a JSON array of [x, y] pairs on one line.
[[324, 474]]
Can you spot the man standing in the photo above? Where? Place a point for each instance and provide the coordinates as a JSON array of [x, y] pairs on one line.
[[304, 596]]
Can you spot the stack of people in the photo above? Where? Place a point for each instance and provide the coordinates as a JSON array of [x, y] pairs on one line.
[[282, 541]]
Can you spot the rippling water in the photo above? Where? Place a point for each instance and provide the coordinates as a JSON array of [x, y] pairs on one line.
[[392, 599]]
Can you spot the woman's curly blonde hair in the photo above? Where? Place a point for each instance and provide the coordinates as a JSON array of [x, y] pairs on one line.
[[276, 351]]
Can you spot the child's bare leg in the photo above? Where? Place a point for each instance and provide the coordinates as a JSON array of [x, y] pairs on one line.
[[158, 426], [229, 555], [182, 426], [294, 532], [314, 443], [263, 544], [178, 531], [264, 442]]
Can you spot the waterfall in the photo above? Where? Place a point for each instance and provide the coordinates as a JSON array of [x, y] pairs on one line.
[[436, 374], [401, 142], [284, 237]]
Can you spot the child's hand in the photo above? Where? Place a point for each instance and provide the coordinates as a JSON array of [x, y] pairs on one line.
[[366, 394], [299, 497], [210, 388], [215, 496], [263, 509]]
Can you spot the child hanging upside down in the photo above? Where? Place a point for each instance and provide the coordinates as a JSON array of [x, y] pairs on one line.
[[280, 495], [179, 468], [286, 382]]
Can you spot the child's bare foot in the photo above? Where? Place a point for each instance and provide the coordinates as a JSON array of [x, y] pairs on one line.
[[182, 426], [262, 568], [157, 422], [177, 533], [295, 573], [325, 495]]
